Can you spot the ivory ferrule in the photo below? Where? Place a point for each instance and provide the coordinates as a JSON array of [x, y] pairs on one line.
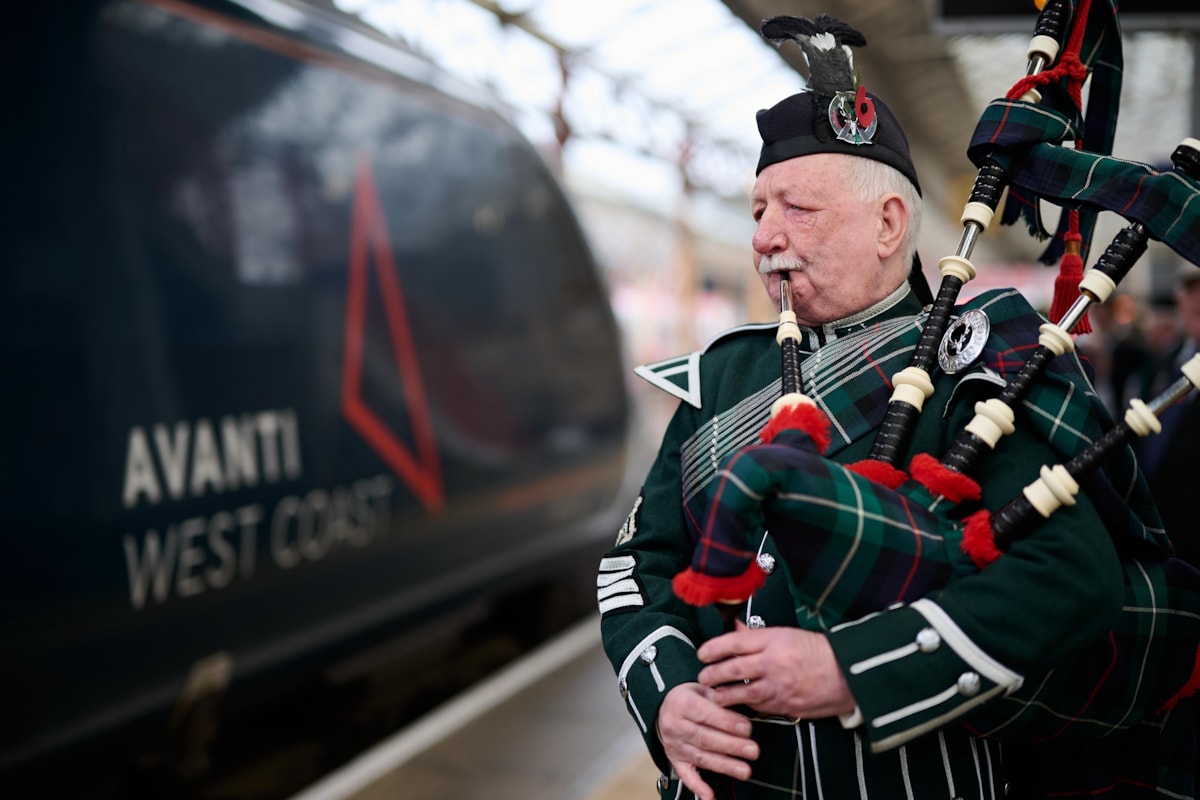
[[788, 329], [992, 420], [912, 386], [1191, 367], [958, 266], [1055, 339], [1140, 419], [979, 213], [1045, 46], [1097, 285], [1054, 489], [791, 400]]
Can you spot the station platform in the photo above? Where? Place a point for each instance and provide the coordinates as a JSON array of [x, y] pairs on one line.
[[551, 726]]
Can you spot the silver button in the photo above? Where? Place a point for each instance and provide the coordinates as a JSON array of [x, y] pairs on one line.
[[648, 655], [623, 688], [662, 783], [756, 621], [968, 684], [767, 562], [928, 640]]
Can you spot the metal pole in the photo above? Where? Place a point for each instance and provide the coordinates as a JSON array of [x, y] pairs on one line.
[[1195, 120]]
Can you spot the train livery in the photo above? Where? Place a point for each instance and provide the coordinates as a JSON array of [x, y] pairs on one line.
[[304, 348]]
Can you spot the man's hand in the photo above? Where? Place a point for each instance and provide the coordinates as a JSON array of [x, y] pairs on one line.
[[785, 672], [698, 733]]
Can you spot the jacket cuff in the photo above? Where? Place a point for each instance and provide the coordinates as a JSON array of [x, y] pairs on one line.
[[912, 670], [658, 663]]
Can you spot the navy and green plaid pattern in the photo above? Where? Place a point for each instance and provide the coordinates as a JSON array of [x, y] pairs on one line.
[[1123, 680], [851, 374], [1018, 136], [1027, 140], [853, 547], [849, 379], [1055, 119]]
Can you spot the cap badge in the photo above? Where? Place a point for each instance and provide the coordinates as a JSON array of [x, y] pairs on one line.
[[852, 116]]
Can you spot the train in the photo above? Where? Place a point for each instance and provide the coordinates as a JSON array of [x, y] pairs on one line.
[[306, 353]]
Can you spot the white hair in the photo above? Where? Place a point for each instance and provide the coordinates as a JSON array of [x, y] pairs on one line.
[[871, 179]]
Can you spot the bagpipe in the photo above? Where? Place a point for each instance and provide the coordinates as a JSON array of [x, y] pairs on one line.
[[930, 518]]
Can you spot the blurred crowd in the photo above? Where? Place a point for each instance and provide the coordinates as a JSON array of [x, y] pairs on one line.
[[1137, 351]]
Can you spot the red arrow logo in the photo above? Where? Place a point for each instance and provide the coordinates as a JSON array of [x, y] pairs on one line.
[[420, 471]]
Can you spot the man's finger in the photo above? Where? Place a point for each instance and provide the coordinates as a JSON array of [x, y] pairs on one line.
[[692, 780], [719, 763], [726, 645], [737, 669]]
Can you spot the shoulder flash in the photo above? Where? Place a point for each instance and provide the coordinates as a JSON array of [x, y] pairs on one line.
[[680, 375]]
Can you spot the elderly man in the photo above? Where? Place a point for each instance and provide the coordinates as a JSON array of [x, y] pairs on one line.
[[794, 704]]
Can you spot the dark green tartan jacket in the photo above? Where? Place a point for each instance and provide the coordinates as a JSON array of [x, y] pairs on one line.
[[1050, 596]]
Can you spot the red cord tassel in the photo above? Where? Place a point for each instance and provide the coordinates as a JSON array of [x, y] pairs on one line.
[[1073, 72], [1070, 273]]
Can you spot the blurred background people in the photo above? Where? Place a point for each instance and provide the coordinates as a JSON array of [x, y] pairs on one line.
[[1166, 457], [1114, 350]]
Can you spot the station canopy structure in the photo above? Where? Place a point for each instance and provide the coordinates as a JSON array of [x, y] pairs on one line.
[[656, 99]]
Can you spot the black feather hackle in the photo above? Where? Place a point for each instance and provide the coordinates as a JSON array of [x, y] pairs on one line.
[[778, 29], [825, 43]]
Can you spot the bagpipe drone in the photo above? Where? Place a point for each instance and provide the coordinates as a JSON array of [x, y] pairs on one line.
[[784, 484]]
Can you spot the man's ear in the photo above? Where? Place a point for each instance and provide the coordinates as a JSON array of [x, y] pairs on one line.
[[893, 223]]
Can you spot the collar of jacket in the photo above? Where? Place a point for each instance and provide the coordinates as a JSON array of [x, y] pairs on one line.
[[901, 302]]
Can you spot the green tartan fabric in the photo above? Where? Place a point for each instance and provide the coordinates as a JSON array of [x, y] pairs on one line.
[[1017, 135], [849, 379], [1101, 53], [850, 375], [852, 547], [910, 743], [1056, 118]]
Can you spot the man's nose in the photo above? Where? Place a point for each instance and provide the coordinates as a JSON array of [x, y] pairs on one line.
[[768, 237]]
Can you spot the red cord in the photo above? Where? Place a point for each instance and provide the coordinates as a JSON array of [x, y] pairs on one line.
[[1066, 286], [1069, 66]]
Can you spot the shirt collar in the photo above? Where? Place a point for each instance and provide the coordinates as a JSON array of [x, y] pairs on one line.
[[900, 302]]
